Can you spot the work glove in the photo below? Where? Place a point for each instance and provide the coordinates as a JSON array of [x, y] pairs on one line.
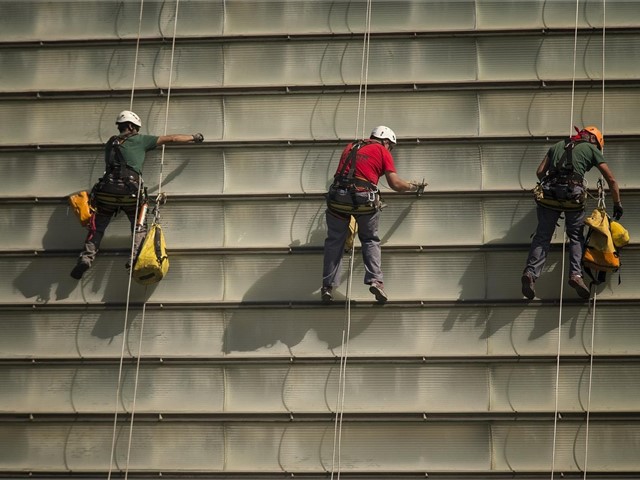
[[419, 187], [617, 211], [198, 138]]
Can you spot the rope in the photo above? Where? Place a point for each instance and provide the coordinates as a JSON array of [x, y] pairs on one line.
[[555, 412], [346, 331], [131, 259], [601, 204], [364, 76], [342, 377], [573, 80], [135, 61], [564, 248]]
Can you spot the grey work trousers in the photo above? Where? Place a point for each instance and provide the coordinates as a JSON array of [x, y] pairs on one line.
[[337, 233], [547, 220], [102, 219]]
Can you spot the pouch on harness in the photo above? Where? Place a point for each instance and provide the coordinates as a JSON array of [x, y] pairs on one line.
[[562, 188], [152, 263], [81, 205], [349, 195]]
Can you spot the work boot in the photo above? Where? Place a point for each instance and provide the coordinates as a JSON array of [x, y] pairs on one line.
[[528, 286], [377, 289], [326, 294], [79, 269], [576, 282]]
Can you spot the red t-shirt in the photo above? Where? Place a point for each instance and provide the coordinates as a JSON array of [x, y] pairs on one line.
[[372, 161]]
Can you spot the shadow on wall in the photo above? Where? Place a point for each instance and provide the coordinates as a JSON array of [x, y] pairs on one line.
[[101, 280], [244, 333], [31, 282], [493, 323]]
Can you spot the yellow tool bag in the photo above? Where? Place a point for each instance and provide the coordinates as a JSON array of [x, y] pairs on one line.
[[81, 206], [600, 253], [152, 263]]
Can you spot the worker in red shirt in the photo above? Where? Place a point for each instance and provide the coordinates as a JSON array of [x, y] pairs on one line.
[[354, 192]]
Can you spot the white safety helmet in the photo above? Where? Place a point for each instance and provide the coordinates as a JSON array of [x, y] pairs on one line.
[[382, 133], [128, 116]]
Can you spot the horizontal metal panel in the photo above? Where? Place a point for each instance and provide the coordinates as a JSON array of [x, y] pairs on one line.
[[262, 389], [270, 223], [36, 20], [461, 166], [317, 332], [516, 14], [552, 57], [327, 116], [32, 20], [300, 447], [319, 62], [409, 276], [273, 223]]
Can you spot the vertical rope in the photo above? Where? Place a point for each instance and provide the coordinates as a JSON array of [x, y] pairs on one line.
[[364, 76], [573, 80], [342, 377], [557, 383], [166, 115], [564, 248], [601, 203], [591, 354], [126, 313], [346, 331], [135, 61], [135, 390], [131, 259], [166, 121]]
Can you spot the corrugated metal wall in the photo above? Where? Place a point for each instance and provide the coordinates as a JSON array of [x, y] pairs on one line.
[[455, 377]]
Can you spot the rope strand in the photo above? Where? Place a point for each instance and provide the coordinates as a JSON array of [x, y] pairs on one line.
[[346, 331], [131, 260]]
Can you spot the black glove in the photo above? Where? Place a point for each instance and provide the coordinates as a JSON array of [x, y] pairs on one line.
[[617, 211], [419, 187], [198, 138]]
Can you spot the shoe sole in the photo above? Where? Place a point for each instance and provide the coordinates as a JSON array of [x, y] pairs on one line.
[[327, 297], [527, 288], [79, 270], [379, 294], [582, 291]]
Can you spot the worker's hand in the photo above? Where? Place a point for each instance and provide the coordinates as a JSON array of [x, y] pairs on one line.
[[617, 211], [198, 138], [419, 186]]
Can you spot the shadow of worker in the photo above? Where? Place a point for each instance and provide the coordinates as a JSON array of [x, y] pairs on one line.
[[262, 322], [515, 242], [45, 278]]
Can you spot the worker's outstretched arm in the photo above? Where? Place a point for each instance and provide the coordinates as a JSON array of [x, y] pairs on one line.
[[180, 138], [611, 181], [398, 184]]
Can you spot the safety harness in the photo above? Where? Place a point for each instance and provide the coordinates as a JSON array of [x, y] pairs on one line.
[[120, 184], [345, 196], [562, 188]]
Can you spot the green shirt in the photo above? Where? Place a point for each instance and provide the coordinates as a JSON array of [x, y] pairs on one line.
[[133, 150], [584, 157]]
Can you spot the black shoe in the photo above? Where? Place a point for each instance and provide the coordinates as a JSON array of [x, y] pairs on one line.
[[528, 286], [326, 294], [576, 282], [377, 289], [79, 270]]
